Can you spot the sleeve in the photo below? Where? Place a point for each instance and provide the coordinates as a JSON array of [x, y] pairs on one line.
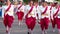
[[15, 8], [3, 10], [49, 12], [25, 11], [22, 8], [26, 7], [35, 14], [39, 13]]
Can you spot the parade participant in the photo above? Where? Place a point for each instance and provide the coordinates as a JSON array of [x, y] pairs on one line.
[[55, 15], [30, 17], [36, 4], [20, 12], [51, 7], [45, 17], [53, 24], [15, 6], [8, 16]]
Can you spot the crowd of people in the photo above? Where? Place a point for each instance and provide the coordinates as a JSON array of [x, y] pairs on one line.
[[44, 13]]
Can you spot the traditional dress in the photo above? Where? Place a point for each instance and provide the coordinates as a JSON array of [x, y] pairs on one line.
[[30, 17], [45, 17], [55, 15], [8, 16], [38, 13], [52, 20], [20, 12]]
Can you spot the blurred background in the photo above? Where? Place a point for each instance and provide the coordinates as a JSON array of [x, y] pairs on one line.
[[26, 1]]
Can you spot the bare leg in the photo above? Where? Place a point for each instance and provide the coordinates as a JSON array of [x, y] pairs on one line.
[[45, 31], [8, 30], [58, 31], [20, 21], [29, 31], [53, 29]]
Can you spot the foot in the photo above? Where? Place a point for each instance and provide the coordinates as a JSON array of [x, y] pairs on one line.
[[45, 32], [29, 33], [53, 30], [42, 32], [19, 24], [6, 31]]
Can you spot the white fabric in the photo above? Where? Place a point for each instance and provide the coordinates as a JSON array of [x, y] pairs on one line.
[[53, 11], [21, 9], [38, 12], [27, 8], [11, 10], [47, 12]]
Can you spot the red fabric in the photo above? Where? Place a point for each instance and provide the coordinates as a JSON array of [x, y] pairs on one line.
[[8, 20], [50, 7], [59, 6], [29, 12], [50, 13], [37, 15], [30, 22], [8, 8], [19, 7], [57, 21], [45, 10], [53, 23], [20, 15], [44, 23], [56, 12]]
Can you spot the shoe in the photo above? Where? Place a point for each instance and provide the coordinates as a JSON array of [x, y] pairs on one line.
[[29, 33], [53, 30], [42, 32], [6, 31], [45, 32], [19, 24]]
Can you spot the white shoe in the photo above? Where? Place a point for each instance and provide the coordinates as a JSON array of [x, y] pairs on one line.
[[53, 30], [19, 24], [8, 32], [45, 32], [59, 31], [42, 32]]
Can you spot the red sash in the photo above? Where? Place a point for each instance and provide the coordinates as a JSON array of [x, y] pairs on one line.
[[29, 12], [50, 11], [8, 8], [19, 7], [37, 13], [50, 7], [45, 10], [56, 13], [36, 10]]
